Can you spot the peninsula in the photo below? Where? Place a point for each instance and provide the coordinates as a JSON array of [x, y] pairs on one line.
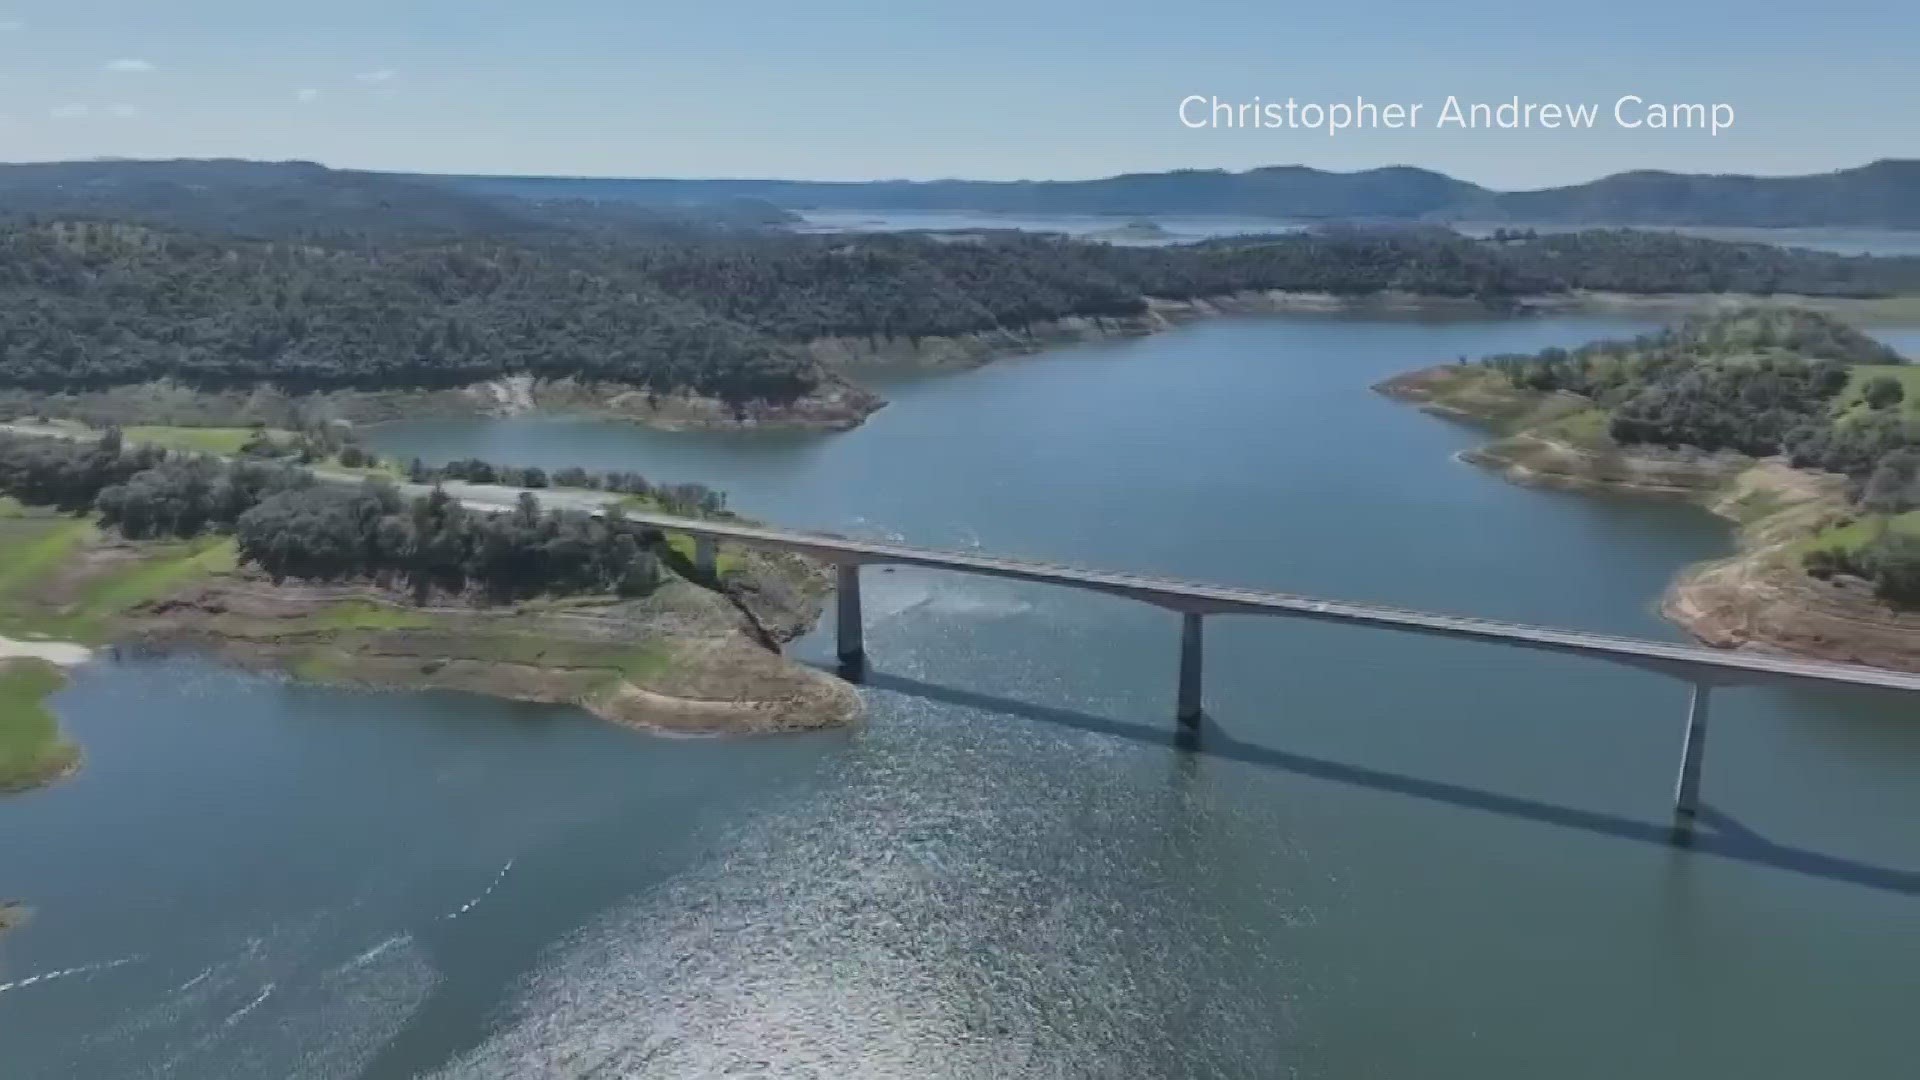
[[1792, 424], [332, 577]]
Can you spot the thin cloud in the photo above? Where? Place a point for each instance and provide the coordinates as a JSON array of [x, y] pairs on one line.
[[133, 67], [375, 77], [123, 111], [72, 110], [306, 95]]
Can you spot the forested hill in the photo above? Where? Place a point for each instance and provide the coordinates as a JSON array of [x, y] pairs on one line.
[[1759, 382], [729, 314], [284, 199], [1762, 383], [1882, 195]]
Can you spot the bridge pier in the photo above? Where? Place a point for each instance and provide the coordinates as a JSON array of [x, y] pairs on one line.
[[1686, 789], [853, 648], [1188, 710], [706, 556]]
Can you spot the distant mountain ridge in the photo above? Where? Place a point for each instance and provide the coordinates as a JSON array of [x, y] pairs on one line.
[[1881, 195], [301, 198]]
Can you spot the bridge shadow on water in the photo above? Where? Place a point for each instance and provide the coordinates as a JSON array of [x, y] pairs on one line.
[[1716, 833]]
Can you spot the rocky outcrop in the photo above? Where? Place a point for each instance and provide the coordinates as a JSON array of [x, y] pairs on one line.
[[1536, 459], [1762, 597]]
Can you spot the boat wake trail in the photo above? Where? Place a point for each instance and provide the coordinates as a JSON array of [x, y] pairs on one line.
[[241, 1013], [483, 894], [372, 954], [50, 976], [318, 999], [193, 982]]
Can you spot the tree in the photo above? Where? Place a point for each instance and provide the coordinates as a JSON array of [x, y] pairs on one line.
[[638, 570], [1884, 391], [1895, 484]]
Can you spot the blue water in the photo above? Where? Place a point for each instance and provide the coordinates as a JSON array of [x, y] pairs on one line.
[[1389, 856]]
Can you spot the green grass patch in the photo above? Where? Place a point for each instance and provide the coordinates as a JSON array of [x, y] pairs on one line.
[[211, 440], [1850, 403], [368, 615], [644, 663], [1586, 429], [32, 750], [33, 545], [1487, 396], [725, 561], [322, 665], [1858, 533], [37, 547], [169, 567]]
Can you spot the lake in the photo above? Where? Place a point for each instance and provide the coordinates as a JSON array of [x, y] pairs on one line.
[[1189, 228], [1388, 856]]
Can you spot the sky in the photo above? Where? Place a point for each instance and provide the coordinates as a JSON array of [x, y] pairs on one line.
[[988, 89]]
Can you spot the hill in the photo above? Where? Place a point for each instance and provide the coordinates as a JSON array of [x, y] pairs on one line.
[[1882, 195], [1885, 194], [302, 199], [1798, 428]]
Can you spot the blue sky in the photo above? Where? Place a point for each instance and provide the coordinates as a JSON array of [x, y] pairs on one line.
[[858, 89]]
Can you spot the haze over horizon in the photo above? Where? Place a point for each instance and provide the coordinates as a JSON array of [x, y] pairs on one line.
[[857, 90]]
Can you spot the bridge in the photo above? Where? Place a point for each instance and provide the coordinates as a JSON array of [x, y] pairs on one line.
[[1703, 669]]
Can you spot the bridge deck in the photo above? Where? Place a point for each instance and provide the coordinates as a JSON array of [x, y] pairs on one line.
[[1694, 663]]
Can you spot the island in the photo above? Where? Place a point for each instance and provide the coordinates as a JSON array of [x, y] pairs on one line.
[[274, 558], [1792, 424], [1138, 231]]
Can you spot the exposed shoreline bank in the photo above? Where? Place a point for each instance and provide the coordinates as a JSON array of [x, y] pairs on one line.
[[1760, 597], [682, 661], [842, 403], [688, 657]]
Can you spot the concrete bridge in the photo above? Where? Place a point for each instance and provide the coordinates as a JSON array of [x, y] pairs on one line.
[[1703, 669]]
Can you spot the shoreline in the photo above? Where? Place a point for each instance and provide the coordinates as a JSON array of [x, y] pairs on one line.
[[689, 657], [841, 403], [1757, 598], [34, 751], [686, 659]]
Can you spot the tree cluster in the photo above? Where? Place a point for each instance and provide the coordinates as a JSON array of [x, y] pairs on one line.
[[98, 303], [294, 526], [1763, 383], [433, 543], [687, 498], [1890, 560], [1760, 382]]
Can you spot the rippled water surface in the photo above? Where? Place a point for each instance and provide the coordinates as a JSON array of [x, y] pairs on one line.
[[1386, 857]]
